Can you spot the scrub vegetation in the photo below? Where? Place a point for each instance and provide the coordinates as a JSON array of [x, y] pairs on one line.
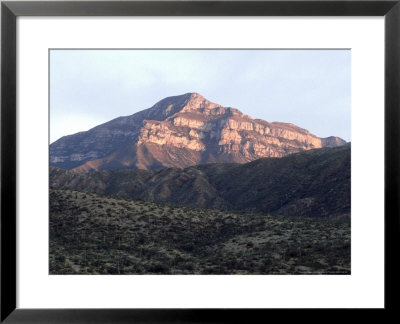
[[96, 234]]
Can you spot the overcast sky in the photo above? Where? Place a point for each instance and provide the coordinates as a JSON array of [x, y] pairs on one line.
[[309, 88]]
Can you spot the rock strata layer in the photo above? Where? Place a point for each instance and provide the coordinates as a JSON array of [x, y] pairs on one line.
[[181, 131]]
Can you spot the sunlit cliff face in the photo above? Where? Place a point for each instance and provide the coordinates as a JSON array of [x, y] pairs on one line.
[[178, 132]]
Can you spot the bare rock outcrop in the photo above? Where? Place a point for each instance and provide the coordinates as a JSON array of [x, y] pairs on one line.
[[179, 132]]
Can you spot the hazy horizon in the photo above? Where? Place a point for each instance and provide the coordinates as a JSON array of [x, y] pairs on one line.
[[309, 88]]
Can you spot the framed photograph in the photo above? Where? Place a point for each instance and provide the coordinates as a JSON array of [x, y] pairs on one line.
[[197, 161]]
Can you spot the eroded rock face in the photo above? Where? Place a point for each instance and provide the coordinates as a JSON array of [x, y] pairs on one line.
[[181, 131]]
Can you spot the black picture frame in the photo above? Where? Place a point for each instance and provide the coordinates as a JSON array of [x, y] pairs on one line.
[[10, 10]]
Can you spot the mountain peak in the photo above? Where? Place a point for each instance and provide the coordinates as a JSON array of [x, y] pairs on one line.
[[188, 102], [196, 101], [194, 95], [190, 97]]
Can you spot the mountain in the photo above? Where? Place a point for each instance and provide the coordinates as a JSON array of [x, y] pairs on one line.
[[181, 131], [314, 183]]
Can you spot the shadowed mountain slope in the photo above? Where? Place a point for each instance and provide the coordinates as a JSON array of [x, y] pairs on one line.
[[313, 183], [181, 131]]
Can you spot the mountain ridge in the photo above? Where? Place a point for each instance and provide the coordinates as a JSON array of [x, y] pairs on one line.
[[181, 131], [314, 183]]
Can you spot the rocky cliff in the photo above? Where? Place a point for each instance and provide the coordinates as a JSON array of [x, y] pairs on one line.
[[181, 131]]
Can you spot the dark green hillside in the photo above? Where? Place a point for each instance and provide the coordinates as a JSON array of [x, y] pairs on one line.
[[313, 183], [93, 234]]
